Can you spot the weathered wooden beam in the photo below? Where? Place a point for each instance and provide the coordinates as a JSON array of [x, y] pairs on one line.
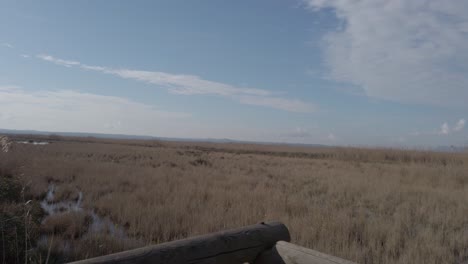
[[232, 246], [287, 253]]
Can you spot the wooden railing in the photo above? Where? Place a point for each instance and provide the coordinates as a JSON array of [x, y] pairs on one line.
[[260, 244]]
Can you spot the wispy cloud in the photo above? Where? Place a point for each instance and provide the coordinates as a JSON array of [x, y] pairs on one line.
[[444, 129], [331, 137], [66, 63], [25, 56], [180, 84], [72, 111], [407, 51], [9, 88], [460, 125], [194, 85], [8, 45]]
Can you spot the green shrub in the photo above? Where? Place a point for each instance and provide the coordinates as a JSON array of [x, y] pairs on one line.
[[10, 187], [19, 220]]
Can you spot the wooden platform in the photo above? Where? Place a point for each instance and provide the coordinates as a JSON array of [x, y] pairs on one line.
[[287, 253], [262, 243]]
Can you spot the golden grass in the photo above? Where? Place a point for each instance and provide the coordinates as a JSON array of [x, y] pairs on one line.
[[70, 225], [369, 206]]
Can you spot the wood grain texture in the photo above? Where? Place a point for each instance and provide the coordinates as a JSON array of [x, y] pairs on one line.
[[233, 246], [287, 253]]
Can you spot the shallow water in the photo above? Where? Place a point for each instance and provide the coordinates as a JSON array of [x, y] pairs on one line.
[[33, 143], [52, 207], [99, 224]]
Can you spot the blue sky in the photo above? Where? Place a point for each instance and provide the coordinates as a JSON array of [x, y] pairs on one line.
[[369, 72]]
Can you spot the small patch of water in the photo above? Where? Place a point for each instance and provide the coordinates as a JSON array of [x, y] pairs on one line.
[[52, 207], [98, 225], [33, 142]]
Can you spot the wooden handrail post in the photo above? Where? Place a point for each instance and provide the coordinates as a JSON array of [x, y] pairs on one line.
[[232, 246]]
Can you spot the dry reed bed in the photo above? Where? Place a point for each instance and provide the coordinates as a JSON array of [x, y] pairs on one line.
[[370, 206]]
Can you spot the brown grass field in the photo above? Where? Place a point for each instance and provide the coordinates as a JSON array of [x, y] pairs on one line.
[[365, 205]]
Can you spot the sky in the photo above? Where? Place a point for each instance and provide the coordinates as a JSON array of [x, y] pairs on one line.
[[337, 72]]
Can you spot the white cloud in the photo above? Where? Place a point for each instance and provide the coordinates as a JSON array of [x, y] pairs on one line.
[[413, 51], [185, 84], [460, 125], [444, 129], [9, 88], [66, 63], [25, 56], [8, 45], [72, 111], [193, 85]]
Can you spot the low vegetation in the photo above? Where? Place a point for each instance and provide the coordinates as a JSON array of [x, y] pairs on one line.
[[369, 206], [20, 214]]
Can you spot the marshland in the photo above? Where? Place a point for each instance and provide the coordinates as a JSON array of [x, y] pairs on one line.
[[365, 205]]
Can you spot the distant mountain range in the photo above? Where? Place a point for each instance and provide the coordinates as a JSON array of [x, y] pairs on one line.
[[122, 136], [211, 140], [101, 135]]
